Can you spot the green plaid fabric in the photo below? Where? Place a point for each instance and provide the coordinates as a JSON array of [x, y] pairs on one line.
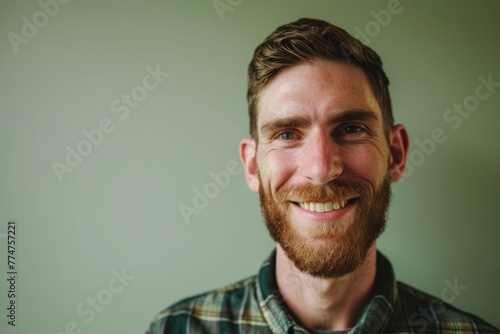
[[254, 305]]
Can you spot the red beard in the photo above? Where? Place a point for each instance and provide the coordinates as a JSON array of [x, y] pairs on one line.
[[353, 237]]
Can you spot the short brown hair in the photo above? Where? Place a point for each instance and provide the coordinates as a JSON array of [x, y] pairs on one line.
[[306, 40]]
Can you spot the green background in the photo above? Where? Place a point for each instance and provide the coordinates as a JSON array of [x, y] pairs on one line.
[[119, 208]]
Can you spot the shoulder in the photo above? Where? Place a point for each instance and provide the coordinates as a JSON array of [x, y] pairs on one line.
[[234, 305], [419, 312]]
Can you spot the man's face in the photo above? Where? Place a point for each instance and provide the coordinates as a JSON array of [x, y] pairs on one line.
[[322, 166]]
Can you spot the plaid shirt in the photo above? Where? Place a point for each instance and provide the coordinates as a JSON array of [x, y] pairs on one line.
[[254, 305]]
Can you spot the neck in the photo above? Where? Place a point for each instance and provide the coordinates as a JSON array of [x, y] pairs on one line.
[[326, 303]]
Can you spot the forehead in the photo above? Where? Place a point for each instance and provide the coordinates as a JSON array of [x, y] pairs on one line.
[[316, 90]]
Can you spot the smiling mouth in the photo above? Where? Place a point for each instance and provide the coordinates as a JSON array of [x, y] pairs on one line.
[[324, 206]]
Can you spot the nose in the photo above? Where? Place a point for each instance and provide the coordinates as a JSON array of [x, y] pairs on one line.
[[320, 158]]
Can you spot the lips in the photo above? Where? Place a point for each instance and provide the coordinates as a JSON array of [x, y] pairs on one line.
[[323, 206]]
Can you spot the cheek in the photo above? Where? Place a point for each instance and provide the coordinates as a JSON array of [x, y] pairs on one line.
[[276, 168], [366, 162]]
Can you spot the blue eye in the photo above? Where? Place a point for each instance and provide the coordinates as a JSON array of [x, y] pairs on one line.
[[287, 135]]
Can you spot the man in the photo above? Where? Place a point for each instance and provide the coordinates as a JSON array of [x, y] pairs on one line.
[[323, 153]]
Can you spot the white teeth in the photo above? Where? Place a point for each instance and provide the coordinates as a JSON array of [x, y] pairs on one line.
[[320, 207], [323, 207]]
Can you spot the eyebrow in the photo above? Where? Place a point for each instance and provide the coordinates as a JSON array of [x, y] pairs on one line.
[[352, 115], [344, 116]]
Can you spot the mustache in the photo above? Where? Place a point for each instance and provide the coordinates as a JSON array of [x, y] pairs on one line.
[[334, 190]]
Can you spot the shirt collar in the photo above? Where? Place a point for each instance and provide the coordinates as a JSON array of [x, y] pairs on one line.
[[374, 318]]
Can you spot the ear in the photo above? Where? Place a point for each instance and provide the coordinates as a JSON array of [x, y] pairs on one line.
[[399, 143], [248, 151]]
